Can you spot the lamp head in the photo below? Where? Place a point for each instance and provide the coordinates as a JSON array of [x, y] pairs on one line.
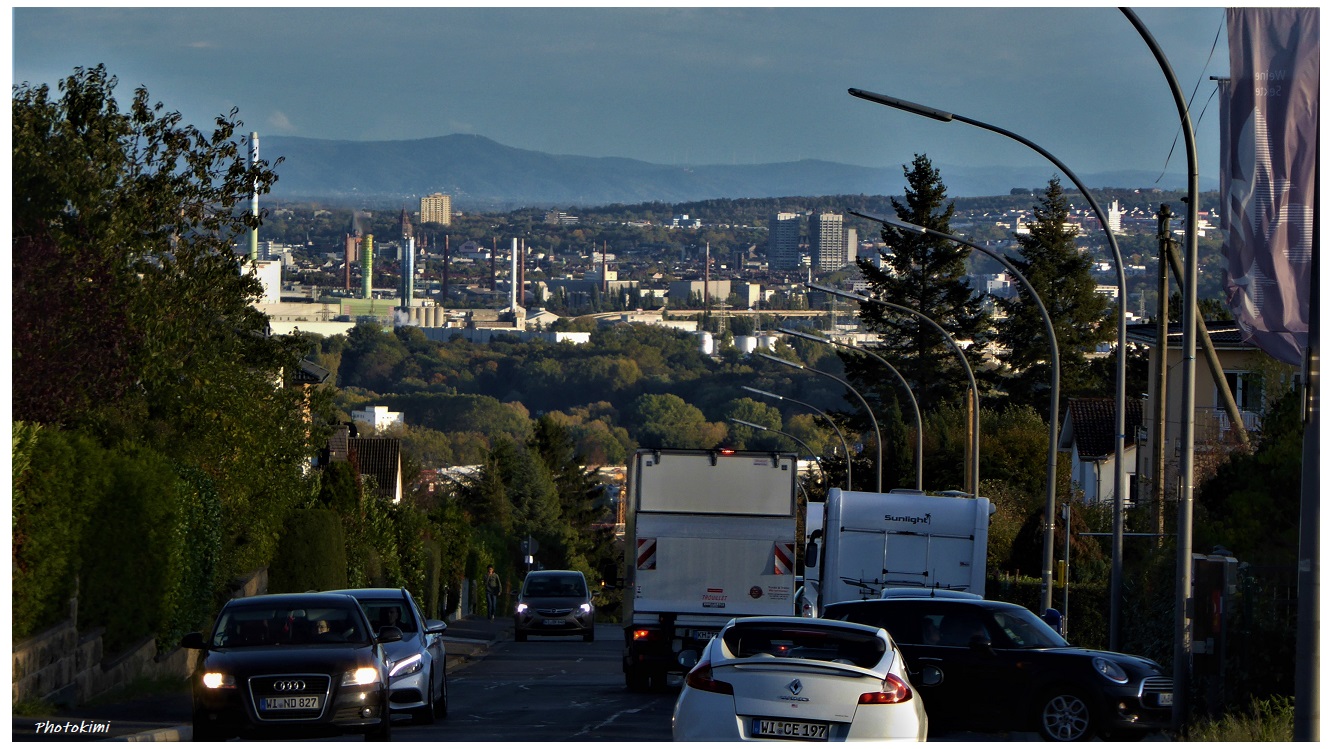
[[900, 104], [890, 221]]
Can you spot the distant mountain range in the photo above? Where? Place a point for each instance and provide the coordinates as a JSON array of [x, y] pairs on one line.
[[481, 174]]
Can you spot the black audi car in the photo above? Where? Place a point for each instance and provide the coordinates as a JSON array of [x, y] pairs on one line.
[[294, 665], [995, 666]]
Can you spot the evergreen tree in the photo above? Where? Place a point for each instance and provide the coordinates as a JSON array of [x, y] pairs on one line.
[[926, 274], [1061, 275]]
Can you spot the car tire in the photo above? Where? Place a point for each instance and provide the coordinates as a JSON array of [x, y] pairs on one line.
[[425, 715], [520, 636], [442, 707], [1066, 715]]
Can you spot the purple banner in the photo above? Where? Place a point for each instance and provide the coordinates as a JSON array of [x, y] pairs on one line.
[[1270, 115]]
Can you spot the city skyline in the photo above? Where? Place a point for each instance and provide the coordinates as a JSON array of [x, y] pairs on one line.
[[687, 86]]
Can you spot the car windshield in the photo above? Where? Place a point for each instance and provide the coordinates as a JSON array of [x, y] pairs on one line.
[[389, 613], [259, 625], [834, 644], [555, 586]]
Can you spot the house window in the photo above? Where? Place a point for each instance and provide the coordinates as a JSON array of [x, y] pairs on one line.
[[1246, 390]]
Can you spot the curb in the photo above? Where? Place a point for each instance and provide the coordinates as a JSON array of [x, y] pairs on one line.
[[460, 653]]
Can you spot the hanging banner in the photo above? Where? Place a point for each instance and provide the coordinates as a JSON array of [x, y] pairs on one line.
[[1270, 114]]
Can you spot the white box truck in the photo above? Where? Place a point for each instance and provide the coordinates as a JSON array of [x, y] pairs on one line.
[[709, 535], [865, 542]]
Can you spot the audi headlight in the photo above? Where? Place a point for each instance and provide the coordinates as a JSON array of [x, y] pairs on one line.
[[1110, 670], [217, 680], [587, 608], [410, 665], [361, 676]]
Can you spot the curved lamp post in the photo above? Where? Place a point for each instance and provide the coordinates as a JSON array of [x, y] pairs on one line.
[[792, 437], [1118, 492], [917, 414], [879, 446], [1181, 660], [847, 454], [1048, 542], [967, 368]]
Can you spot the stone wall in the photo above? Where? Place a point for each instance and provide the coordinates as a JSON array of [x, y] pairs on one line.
[[63, 667]]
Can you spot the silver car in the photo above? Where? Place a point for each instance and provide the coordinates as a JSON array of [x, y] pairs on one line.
[[416, 664], [554, 602]]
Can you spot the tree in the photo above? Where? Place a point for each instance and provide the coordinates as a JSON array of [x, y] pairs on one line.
[[749, 438], [668, 421], [1062, 277], [928, 275]]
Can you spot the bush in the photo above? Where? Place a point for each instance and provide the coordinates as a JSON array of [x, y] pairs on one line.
[[201, 525], [311, 554], [1268, 720]]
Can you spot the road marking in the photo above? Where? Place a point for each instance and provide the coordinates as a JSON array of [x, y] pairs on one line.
[[610, 720]]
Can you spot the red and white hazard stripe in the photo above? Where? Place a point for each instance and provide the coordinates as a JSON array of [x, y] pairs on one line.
[[646, 553], [784, 555]]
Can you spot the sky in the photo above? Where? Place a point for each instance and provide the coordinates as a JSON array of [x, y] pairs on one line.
[[671, 85]]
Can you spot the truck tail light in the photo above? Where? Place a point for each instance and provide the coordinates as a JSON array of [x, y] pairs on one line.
[[701, 678], [644, 634], [894, 691]]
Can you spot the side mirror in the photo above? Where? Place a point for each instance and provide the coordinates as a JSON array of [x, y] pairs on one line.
[[435, 626], [932, 676], [194, 641], [389, 634], [812, 555]]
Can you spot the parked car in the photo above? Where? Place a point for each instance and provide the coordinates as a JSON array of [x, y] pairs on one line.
[[789, 677], [294, 665], [995, 666], [417, 684], [554, 602]]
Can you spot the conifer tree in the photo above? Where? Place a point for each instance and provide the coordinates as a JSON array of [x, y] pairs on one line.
[[1061, 275]]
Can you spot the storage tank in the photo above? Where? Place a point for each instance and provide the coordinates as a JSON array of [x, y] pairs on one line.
[[766, 341], [705, 342], [746, 343]]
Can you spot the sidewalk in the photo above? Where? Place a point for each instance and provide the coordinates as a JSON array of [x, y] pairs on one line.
[[166, 717]]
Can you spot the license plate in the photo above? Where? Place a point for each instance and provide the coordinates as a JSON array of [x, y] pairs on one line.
[[789, 729], [1164, 699], [553, 622], [311, 702]]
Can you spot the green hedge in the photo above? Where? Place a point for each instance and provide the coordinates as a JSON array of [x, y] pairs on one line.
[[312, 554]]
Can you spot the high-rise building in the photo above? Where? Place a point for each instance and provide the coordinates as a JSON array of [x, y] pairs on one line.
[[785, 241], [829, 245], [436, 209]]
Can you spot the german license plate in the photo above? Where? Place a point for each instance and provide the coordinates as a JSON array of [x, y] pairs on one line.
[[553, 622], [789, 729], [1164, 699], [310, 702]]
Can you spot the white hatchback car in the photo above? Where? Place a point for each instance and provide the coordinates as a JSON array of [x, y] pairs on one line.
[[787, 677]]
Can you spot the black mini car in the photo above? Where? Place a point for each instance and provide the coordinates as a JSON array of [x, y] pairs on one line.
[[286, 666], [994, 666]]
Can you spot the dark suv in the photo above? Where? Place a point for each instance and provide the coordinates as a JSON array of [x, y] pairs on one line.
[[994, 666]]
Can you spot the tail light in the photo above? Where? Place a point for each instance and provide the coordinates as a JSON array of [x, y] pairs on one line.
[[646, 635], [701, 678], [894, 691]]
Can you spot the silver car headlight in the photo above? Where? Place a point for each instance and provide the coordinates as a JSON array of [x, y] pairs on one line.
[[1110, 670], [410, 665]]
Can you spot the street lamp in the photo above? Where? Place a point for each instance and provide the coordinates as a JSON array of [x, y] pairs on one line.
[[1118, 492], [967, 368], [792, 437], [847, 454], [1048, 542], [917, 414], [878, 444]]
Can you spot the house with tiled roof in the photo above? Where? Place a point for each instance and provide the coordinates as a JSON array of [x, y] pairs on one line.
[[1088, 433]]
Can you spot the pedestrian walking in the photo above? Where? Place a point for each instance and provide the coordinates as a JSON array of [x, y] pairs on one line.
[[492, 591]]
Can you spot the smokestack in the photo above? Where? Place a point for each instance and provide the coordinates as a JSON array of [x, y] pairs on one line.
[[605, 286], [408, 253], [514, 272], [523, 267], [367, 262], [349, 257], [254, 198], [706, 279], [444, 279]]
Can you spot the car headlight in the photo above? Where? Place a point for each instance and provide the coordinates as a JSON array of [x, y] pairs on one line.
[[217, 680], [587, 608], [410, 665], [521, 608], [361, 676], [1110, 670]]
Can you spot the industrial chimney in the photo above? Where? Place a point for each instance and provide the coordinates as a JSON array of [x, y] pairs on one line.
[[367, 262]]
